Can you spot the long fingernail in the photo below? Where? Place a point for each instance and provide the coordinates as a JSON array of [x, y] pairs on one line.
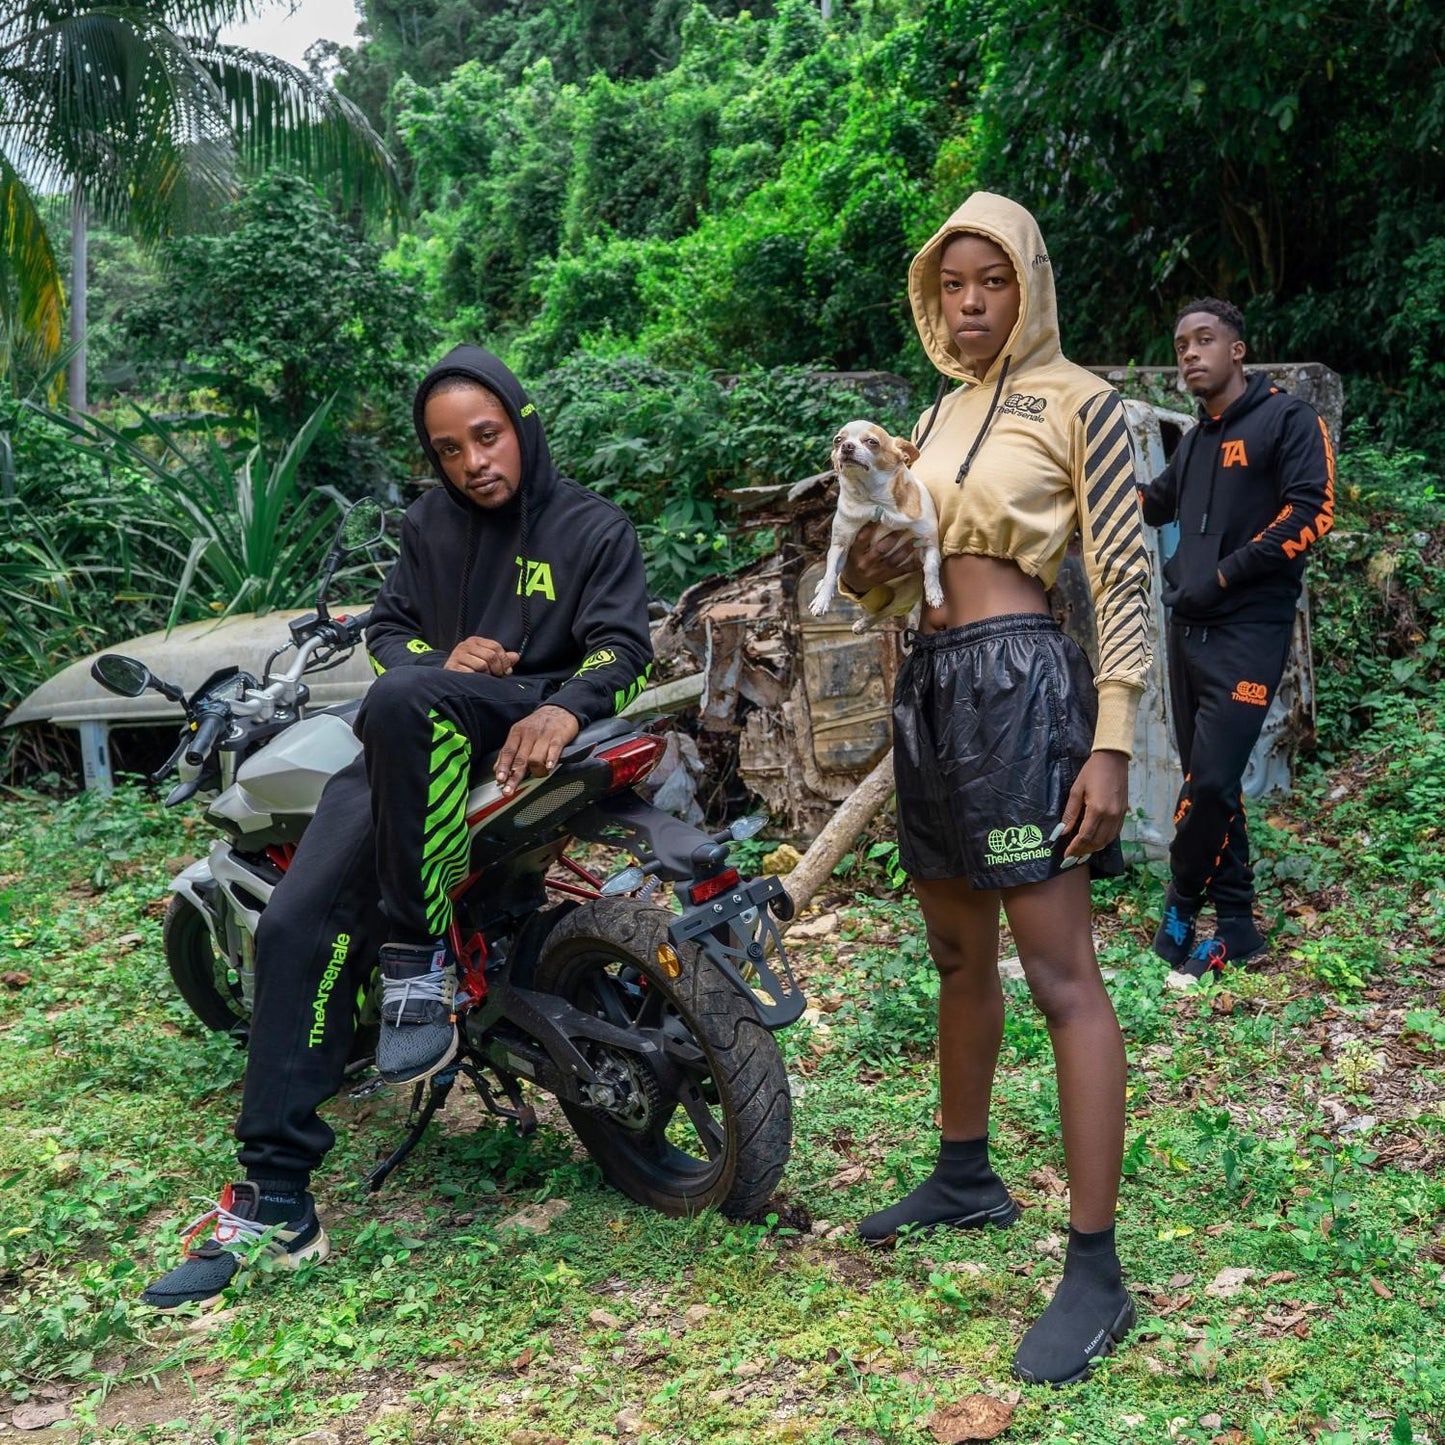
[[1069, 863], [1056, 834]]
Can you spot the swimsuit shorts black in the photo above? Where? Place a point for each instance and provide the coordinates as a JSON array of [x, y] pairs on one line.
[[991, 724]]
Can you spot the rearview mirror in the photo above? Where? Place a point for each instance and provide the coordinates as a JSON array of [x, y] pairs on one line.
[[120, 674], [363, 526]]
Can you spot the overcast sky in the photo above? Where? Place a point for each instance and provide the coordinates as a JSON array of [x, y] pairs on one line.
[[286, 30]]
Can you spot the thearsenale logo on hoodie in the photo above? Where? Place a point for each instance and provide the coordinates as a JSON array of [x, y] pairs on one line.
[[1030, 408]]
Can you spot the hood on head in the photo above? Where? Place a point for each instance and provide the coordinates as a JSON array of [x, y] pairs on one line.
[[538, 471], [1035, 338]]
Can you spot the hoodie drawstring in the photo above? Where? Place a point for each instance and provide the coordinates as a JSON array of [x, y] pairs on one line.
[[933, 415], [987, 422]]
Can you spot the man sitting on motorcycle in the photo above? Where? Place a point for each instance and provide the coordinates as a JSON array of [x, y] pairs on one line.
[[515, 616]]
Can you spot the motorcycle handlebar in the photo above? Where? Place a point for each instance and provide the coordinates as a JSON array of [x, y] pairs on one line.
[[212, 728]]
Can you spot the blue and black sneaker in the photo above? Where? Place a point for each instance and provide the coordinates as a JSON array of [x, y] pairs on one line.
[[1174, 942], [1205, 965]]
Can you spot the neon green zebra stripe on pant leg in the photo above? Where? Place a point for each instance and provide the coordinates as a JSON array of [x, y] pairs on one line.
[[444, 852]]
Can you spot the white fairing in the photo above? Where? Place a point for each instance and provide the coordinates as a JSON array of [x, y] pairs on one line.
[[288, 774]]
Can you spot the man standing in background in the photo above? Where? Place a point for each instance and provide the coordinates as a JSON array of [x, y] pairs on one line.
[[1252, 489]]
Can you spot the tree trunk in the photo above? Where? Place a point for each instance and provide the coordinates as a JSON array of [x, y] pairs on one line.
[[839, 834], [79, 263]]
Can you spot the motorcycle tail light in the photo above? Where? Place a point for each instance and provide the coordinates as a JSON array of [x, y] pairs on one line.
[[706, 888], [633, 760]]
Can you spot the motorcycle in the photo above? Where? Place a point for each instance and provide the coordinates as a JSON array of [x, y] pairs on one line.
[[653, 1026]]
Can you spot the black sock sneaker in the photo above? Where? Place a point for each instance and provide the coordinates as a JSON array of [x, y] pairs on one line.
[[1239, 936], [243, 1224], [963, 1192], [1090, 1313], [1174, 941]]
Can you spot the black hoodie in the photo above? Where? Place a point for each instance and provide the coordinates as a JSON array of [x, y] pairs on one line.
[[1251, 489], [555, 573]]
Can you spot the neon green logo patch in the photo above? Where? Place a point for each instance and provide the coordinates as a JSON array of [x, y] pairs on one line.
[[417, 645], [538, 577], [1015, 845], [600, 658]]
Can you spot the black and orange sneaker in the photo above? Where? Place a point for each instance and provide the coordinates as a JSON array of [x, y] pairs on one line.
[[231, 1235]]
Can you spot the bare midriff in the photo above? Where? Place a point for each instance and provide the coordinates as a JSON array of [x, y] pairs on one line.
[[975, 588]]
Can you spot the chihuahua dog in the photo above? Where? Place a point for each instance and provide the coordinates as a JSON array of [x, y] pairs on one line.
[[875, 485]]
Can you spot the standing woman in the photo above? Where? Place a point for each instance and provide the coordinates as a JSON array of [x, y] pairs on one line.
[[1012, 765]]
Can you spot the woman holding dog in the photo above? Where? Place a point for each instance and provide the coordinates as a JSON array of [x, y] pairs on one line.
[[1012, 761]]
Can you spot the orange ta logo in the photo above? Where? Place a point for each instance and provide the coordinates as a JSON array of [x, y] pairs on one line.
[[1255, 692], [1233, 454]]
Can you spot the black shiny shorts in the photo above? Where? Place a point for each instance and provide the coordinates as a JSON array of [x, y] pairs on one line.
[[991, 724]]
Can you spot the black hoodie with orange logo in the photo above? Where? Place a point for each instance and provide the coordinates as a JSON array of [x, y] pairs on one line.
[[1252, 490]]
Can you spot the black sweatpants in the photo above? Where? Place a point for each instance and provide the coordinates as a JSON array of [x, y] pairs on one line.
[[374, 866], [1222, 679]]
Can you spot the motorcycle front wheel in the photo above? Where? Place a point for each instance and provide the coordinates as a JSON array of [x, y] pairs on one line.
[[201, 975], [705, 1121]]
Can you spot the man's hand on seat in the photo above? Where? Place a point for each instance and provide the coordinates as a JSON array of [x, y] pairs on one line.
[[480, 654], [534, 745]]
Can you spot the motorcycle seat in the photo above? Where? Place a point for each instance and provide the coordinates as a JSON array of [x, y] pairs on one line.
[[590, 738]]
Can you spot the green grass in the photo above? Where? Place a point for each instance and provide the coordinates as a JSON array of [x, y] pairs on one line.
[[1291, 1127]]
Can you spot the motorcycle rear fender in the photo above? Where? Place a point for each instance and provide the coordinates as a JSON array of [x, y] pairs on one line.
[[735, 929], [681, 850]]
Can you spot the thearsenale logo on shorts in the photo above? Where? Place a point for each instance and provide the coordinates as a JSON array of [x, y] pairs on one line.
[[1031, 408], [1015, 845]]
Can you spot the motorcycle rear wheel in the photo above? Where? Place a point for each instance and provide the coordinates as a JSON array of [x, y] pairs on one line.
[[711, 1123], [201, 975]]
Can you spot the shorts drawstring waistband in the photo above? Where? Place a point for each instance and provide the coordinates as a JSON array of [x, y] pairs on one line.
[[1007, 624]]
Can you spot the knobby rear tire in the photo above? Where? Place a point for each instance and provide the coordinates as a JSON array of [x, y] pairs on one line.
[[597, 958]]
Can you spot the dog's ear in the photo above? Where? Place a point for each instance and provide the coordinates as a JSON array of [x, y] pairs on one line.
[[910, 452]]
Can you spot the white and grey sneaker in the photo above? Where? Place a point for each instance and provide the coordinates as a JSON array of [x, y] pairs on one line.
[[418, 1018]]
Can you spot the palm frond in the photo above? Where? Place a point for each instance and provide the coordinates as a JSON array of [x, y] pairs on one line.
[[32, 295]]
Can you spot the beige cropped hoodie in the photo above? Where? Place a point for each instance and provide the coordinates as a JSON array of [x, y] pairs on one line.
[[1017, 460]]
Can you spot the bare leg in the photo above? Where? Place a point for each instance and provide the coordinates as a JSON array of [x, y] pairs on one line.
[[963, 1191], [1051, 925], [1091, 1310], [963, 939]]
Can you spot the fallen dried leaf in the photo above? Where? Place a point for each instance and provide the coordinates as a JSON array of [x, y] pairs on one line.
[[1048, 1180], [536, 1218], [851, 1174], [1384, 1291], [1283, 1276], [523, 1360], [1228, 1282], [11, 978], [38, 1417], [1179, 1281], [975, 1417]]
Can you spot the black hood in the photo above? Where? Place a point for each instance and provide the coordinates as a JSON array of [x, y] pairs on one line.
[[539, 475]]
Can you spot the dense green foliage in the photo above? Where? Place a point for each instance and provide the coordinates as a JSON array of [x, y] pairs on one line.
[[286, 308], [141, 115]]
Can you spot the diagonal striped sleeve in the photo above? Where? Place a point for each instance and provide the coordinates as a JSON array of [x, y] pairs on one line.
[[1116, 560]]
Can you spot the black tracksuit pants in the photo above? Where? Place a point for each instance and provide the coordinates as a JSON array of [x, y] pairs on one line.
[[1222, 679], [375, 865]]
